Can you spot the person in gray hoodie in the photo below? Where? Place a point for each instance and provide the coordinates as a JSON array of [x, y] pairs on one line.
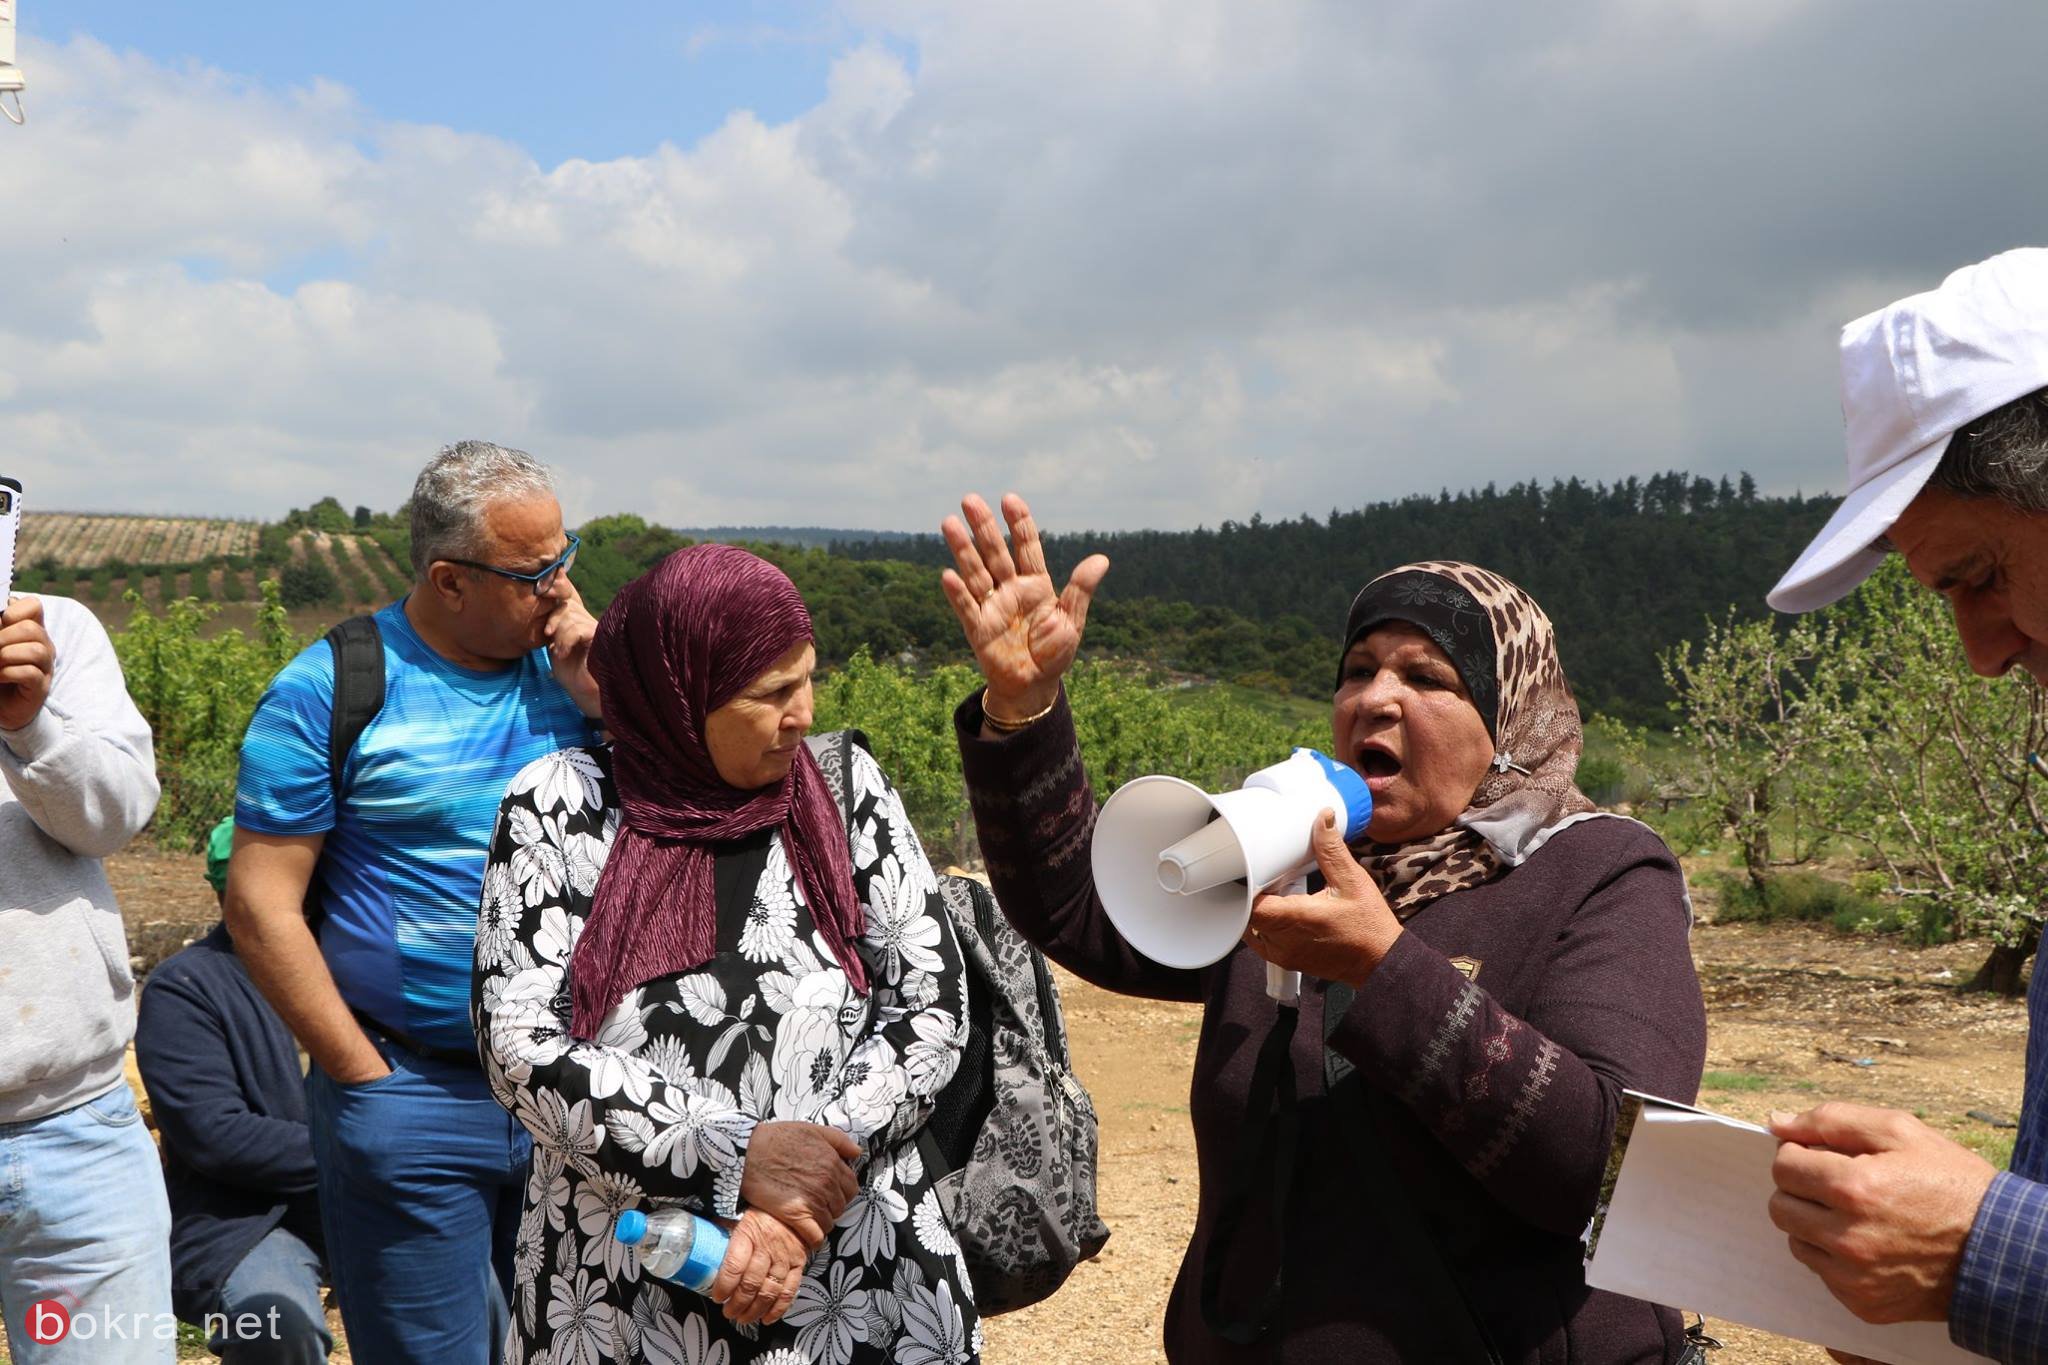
[[85, 1271]]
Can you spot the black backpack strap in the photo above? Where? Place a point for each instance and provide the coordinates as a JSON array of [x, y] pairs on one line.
[[1355, 1104], [358, 648], [358, 690]]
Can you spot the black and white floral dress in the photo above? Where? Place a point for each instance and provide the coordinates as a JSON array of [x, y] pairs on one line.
[[657, 1110]]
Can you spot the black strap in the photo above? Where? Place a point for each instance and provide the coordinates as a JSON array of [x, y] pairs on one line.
[[1265, 1156], [358, 648], [1452, 1309], [358, 690]]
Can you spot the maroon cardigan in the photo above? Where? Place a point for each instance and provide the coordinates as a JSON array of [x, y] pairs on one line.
[[1506, 1084]]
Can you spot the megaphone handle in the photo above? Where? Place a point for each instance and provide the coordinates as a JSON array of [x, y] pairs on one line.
[[1284, 985]]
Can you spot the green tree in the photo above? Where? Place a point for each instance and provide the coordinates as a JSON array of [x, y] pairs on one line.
[[1758, 705], [324, 515], [197, 690], [1864, 726], [307, 583], [1932, 781]]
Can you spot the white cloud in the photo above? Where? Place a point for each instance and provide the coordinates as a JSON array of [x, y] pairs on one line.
[[1152, 262]]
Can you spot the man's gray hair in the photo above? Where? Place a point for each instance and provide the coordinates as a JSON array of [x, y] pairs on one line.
[[455, 490], [2002, 455]]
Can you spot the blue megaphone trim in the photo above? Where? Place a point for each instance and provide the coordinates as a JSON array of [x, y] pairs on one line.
[[1357, 796]]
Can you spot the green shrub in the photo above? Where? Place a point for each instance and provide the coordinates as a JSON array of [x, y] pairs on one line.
[[307, 583], [1806, 898], [1602, 779], [197, 695], [233, 587], [359, 588]]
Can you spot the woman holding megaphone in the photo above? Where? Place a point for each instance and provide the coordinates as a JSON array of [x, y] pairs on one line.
[[1400, 1167]]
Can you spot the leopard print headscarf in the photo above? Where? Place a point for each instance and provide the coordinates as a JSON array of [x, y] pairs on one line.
[[1534, 722]]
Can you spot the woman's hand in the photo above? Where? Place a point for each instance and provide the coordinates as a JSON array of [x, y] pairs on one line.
[[798, 1174], [763, 1266], [1023, 633], [1338, 934]]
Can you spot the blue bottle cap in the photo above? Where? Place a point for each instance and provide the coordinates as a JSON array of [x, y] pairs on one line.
[[1350, 786], [631, 1228]]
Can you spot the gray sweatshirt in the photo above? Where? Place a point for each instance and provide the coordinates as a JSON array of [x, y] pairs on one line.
[[79, 783]]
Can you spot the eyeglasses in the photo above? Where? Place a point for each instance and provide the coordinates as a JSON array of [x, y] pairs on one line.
[[542, 580]]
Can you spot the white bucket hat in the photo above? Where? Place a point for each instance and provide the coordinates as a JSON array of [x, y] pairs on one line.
[[1914, 374]]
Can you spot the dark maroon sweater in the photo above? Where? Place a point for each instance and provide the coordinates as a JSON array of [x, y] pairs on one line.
[[1505, 1086]]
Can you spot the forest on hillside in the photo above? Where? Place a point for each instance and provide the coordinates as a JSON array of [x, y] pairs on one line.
[[1624, 570]]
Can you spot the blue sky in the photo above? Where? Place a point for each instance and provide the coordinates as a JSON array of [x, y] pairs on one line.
[[562, 80], [1151, 262]]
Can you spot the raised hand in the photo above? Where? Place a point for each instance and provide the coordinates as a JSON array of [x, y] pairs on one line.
[[1023, 632]]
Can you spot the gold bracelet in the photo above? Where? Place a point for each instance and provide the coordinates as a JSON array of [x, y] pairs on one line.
[[1003, 726]]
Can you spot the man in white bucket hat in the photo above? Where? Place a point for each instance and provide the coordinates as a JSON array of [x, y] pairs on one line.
[[1945, 398]]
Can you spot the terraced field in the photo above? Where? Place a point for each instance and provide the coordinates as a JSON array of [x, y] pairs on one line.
[[98, 559], [81, 541]]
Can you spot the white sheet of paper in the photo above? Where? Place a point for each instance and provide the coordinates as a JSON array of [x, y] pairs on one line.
[[1688, 1226]]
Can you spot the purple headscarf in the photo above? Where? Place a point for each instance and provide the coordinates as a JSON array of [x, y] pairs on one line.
[[676, 644]]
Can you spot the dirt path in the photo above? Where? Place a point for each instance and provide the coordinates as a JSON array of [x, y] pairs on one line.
[[1795, 1015]]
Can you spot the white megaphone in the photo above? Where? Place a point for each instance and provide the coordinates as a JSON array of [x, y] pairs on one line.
[[1177, 868]]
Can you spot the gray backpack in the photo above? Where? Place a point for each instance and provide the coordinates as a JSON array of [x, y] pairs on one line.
[[1014, 1131]]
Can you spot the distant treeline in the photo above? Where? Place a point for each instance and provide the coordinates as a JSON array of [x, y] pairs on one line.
[[1623, 569]]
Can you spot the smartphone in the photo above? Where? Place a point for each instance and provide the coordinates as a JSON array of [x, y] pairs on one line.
[[10, 529]]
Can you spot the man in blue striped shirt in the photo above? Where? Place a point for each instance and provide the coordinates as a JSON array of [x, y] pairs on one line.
[[1945, 397], [420, 1170]]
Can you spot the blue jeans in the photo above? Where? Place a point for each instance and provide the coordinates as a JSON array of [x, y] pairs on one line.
[[85, 1238], [421, 1178], [270, 1311]]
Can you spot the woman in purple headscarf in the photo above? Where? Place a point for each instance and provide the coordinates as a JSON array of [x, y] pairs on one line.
[[698, 986]]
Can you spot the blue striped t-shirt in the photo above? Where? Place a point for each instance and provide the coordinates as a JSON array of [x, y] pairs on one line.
[[402, 869]]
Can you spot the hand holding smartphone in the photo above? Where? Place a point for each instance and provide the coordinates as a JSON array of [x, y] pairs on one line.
[[10, 531], [27, 659]]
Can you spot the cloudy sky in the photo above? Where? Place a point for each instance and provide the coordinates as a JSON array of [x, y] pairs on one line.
[[1152, 262]]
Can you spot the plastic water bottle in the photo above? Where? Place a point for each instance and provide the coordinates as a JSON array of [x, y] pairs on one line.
[[675, 1244]]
